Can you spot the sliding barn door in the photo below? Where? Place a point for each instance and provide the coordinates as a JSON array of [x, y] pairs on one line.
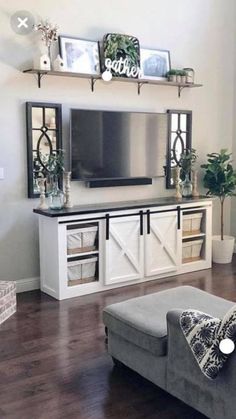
[[162, 243], [124, 250]]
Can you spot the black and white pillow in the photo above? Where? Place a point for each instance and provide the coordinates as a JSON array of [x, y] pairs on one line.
[[210, 339]]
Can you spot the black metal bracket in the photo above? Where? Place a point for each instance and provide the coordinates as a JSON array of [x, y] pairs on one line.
[[141, 222], [140, 85], [180, 88], [39, 77], [107, 226], [178, 217], [148, 222], [92, 83]]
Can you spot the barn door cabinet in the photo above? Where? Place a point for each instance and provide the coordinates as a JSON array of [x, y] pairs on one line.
[[86, 251]]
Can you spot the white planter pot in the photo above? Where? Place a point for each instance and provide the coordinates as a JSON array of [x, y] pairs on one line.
[[222, 250]]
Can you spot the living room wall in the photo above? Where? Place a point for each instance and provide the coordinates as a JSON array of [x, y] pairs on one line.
[[199, 34]]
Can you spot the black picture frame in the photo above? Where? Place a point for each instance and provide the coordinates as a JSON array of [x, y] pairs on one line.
[[29, 136], [188, 113]]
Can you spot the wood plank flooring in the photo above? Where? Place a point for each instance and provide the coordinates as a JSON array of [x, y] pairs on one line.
[[53, 360]]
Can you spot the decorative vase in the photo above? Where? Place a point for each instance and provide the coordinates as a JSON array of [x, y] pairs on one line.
[[187, 187], [58, 64], [190, 73], [42, 203], [195, 192], [67, 177], [56, 196]]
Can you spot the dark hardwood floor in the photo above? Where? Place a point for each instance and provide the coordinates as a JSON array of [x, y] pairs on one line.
[[53, 360]]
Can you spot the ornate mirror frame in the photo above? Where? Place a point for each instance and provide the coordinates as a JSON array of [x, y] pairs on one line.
[[179, 138], [44, 132]]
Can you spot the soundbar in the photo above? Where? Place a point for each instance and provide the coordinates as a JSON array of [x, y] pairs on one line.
[[104, 183]]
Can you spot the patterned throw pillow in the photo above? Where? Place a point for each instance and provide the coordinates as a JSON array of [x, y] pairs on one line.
[[205, 334]]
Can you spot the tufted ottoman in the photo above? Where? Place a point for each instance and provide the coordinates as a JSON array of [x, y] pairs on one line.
[[7, 299]]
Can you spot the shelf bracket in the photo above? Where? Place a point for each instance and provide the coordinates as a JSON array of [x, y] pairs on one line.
[[92, 83], [39, 77], [140, 84], [180, 88]]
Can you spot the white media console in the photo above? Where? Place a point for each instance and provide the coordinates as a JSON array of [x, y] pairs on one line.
[[90, 249]]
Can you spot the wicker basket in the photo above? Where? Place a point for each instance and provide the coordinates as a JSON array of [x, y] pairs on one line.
[[81, 240], [192, 250], [192, 223], [82, 271]]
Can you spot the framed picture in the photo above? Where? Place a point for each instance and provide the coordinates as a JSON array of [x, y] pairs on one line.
[[121, 47], [80, 55], [155, 63]]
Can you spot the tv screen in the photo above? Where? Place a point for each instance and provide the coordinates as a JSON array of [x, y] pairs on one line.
[[108, 144]]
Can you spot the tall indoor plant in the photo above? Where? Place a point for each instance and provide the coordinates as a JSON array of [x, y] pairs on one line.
[[220, 180]]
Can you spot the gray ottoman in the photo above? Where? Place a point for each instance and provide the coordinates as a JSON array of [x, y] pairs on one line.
[[144, 334]]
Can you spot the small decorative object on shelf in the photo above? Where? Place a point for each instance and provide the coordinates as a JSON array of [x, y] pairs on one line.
[[67, 177], [190, 74], [195, 192], [176, 171], [187, 160], [42, 204], [54, 165], [49, 35], [42, 62], [58, 64], [177, 76], [121, 55]]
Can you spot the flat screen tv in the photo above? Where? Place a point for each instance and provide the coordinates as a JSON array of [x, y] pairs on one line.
[[117, 145]]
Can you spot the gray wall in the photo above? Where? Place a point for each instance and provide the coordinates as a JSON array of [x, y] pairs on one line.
[[199, 34]]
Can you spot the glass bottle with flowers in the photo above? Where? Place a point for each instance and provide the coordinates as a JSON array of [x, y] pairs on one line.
[[187, 161], [54, 165]]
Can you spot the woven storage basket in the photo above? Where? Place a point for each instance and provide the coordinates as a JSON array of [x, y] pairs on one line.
[[192, 223], [192, 250], [81, 240], [82, 271]]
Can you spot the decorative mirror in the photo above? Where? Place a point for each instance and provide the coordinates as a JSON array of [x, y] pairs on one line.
[[44, 137], [179, 138]]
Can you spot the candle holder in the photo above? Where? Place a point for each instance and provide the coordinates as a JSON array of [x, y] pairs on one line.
[[42, 204], [178, 194], [67, 178], [195, 192]]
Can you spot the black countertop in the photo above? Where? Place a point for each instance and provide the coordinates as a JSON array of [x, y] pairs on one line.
[[116, 206]]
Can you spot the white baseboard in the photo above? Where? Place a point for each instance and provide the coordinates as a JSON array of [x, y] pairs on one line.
[[27, 284]]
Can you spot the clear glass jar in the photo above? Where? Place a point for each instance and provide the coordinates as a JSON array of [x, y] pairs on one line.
[[187, 187], [55, 195]]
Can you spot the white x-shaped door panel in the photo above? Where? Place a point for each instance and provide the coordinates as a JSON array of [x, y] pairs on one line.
[[124, 250], [162, 245]]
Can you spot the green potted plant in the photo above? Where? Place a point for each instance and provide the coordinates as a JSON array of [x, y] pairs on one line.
[[220, 180], [172, 75], [187, 161]]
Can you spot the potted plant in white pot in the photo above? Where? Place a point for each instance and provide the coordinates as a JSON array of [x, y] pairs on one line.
[[220, 180]]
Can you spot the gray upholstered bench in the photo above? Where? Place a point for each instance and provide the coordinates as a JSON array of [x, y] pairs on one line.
[[145, 335]]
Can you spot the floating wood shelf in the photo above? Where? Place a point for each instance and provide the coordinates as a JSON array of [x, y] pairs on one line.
[[93, 78]]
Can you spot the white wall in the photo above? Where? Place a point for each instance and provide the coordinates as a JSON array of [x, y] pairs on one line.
[[199, 34]]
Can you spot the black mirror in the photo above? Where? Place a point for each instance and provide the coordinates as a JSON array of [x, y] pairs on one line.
[[44, 136], [179, 138]]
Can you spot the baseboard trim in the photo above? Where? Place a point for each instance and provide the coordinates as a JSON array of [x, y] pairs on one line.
[[27, 284]]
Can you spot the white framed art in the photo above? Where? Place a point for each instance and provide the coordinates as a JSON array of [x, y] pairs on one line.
[[80, 55], [154, 63]]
